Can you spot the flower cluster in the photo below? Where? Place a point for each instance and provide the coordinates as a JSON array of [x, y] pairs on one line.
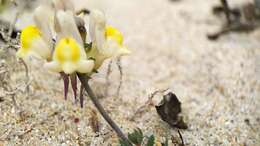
[[59, 37]]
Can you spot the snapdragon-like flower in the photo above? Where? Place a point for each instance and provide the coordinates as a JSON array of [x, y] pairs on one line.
[[58, 36], [107, 41], [32, 43], [57, 29], [36, 40], [69, 55]]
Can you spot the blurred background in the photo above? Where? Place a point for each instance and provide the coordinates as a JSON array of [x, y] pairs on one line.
[[217, 81]]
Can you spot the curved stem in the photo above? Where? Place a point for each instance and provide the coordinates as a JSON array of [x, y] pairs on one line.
[[84, 81]]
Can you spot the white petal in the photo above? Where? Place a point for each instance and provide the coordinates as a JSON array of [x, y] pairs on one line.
[[53, 66], [100, 37], [64, 5], [41, 48], [43, 17], [97, 26], [85, 66], [68, 26]]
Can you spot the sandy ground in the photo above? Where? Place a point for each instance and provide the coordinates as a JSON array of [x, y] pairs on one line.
[[217, 82]]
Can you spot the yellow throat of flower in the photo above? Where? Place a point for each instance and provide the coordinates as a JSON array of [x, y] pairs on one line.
[[67, 50], [28, 35], [114, 34]]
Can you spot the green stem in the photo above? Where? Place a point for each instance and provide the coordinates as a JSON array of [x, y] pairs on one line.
[[84, 81]]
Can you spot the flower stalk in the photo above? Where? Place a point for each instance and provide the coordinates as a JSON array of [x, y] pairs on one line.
[[84, 81]]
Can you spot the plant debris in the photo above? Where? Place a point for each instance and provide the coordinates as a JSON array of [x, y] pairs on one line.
[[146, 107], [241, 19], [169, 109], [94, 121], [182, 141]]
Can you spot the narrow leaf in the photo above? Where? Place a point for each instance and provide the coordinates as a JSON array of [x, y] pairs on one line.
[[150, 141]]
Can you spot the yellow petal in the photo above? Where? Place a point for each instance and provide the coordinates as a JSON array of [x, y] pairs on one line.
[[67, 50], [115, 34], [29, 34]]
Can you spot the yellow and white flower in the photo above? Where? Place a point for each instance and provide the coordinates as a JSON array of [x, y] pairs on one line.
[[107, 41], [69, 55], [36, 40], [32, 43]]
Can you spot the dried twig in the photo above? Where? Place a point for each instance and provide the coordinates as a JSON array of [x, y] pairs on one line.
[[182, 142], [226, 10], [233, 19], [19, 88], [118, 63], [109, 71], [26, 73], [239, 27], [94, 121], [147, 104]]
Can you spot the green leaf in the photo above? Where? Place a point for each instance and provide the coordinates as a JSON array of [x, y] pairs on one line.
[[122, 143], [136, 137], [150, 141]]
